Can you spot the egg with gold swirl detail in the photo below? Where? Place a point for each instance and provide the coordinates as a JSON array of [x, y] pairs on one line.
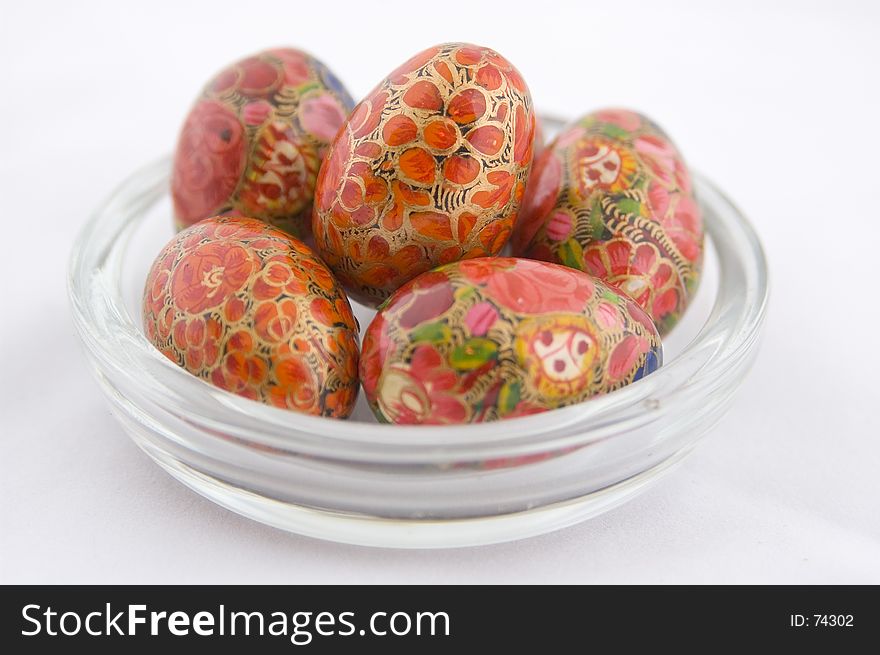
[[252, 310], [611, 195], [492, 338], [253, 142], [429, 169]]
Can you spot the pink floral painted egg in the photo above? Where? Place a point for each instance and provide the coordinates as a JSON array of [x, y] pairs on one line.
[[612, 196], [491, 338], [252, 310], [430, 168], [253, 142]]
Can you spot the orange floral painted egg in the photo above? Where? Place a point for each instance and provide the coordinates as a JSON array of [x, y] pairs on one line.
[[252, 310], [612, 196], [429, 169], [253, 142], [491, 338]]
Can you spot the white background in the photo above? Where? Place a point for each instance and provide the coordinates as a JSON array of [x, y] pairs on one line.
[[778, 103]]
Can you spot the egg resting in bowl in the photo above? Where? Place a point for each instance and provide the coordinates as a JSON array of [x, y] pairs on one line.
[[612, 196], [490, 338], [253, 141], [252, 310], [429, 168]]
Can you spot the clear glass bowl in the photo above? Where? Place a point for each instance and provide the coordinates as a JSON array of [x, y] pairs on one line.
[[360, 482]]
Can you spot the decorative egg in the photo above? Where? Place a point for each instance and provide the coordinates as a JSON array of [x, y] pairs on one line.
[[253, 142], [491, 338], [430, 168], [252, 310], [612, 196]]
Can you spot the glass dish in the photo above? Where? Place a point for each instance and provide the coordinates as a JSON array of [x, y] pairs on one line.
[[360, 482]]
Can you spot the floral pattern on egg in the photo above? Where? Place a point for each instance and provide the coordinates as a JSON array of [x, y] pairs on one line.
[[253, 142], [429, 169], [250, 309], [612, 196], [492, 338]]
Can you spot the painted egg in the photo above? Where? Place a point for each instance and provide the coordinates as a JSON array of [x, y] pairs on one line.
[[612, 196], [252, 310], [429, 169], [498, 337], [253, 142]]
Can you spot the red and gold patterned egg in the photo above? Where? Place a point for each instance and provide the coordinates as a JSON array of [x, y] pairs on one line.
[[253, 142], [429, 169], [498, 337], [612, 196], [252, 310]]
